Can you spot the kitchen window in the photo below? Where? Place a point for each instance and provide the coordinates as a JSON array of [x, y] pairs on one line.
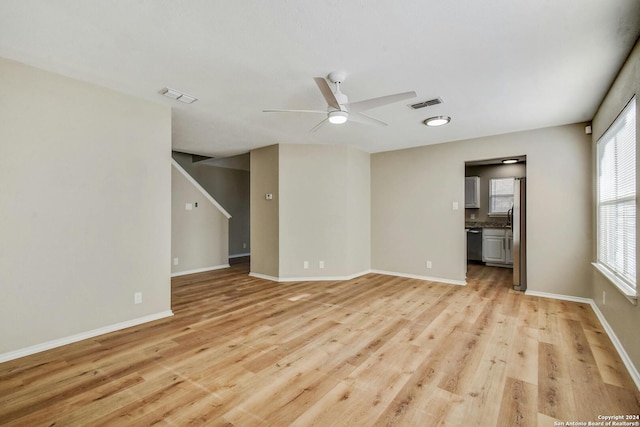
[[500, 196], [616, 201]]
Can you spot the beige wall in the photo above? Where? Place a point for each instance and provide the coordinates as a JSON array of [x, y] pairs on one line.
[[324, 210], [230, 187], [413, 221], [264, 213], [200, 236], [358, 211], [487, 172], [622, 316], [228, 184], [184, 160], [85, 207]]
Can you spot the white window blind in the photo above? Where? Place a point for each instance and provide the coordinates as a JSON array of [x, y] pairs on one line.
[[616, 204], [500, 195]]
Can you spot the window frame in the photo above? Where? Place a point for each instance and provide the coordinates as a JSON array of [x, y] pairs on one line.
[[613, 274], [491, 212]]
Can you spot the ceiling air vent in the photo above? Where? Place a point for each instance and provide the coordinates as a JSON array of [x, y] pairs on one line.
[[429, 103]]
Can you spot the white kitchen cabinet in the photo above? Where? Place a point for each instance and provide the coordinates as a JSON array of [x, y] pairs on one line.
[[472, 192], [493, 248], [497, 247]]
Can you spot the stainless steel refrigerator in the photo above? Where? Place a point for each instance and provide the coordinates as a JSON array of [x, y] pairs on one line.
[[519, 228]]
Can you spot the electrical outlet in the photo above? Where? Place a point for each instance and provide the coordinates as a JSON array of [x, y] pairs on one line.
[[175, 261], [428, 264], [137, 298], [305, 264], [320, 264], [244, 246], [473, 216], [604, 298]]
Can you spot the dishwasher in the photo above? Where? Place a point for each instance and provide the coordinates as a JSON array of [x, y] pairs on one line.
[[474, 244]]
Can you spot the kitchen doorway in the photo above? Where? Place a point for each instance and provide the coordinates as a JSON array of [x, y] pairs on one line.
[[495, 215]]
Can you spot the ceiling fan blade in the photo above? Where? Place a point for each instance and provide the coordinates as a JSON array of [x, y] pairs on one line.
[[294, 111], [319, 125], [327, 92], [367, 104], [366, 119]]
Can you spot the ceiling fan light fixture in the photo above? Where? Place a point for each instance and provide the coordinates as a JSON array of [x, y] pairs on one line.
[[437, 121], [338, 117]]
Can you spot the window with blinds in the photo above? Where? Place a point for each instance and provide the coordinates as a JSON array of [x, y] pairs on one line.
[[616, 200], [500, 195]]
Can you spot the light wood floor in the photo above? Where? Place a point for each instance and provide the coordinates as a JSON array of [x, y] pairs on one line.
[[376, 350]]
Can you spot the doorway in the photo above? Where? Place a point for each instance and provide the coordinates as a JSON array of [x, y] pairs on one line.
[[495, 215]]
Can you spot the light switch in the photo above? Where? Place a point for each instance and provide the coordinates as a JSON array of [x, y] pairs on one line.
[[188, 206], [455, 206]]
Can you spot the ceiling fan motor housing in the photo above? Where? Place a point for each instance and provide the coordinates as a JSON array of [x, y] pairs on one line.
[[337, 76]]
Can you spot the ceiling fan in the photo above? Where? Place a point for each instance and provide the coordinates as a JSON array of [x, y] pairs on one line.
[[339, 109]]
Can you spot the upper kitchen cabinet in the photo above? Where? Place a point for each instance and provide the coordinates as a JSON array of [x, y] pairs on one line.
[[472, 192]]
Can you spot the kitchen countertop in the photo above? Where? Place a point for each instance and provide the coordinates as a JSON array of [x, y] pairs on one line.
[[486, 224]]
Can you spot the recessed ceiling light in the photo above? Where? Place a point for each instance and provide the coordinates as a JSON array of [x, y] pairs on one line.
[[510, 161], [177, 95], [338, 117], [437, 121]]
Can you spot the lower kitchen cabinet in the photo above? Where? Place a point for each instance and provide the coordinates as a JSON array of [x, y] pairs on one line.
[[496, 246], [493, 249]]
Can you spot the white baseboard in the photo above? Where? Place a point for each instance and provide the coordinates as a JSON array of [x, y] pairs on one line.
[[308, 279], [415, 276], [239, 255], [635, 375], [617, 344], [323, 278], [558, 296], [353, 276], [264, 276], [82, 336], [200, 270]]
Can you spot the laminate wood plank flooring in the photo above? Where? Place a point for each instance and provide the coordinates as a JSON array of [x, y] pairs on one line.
[[373, 351]]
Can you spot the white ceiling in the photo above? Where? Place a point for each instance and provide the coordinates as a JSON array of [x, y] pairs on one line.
[[499, 65]]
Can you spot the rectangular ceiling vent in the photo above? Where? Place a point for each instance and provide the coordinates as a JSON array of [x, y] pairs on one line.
[[177, 95], [429, 103]]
